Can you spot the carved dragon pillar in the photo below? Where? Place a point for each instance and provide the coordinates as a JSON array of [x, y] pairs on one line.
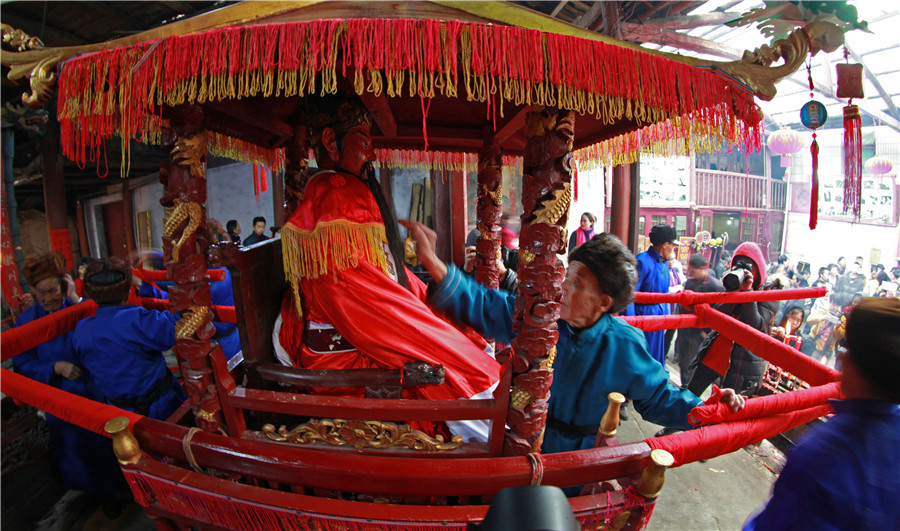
[[184, 244], [489, 206], [546, 197]]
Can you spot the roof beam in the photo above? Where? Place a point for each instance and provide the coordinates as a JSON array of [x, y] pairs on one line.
[[664, 37], [181, 7], [514, 125], [121, 15], [559, 7], [50, 35], [592, 14], [687, 22], [874, 79], [247, 115]]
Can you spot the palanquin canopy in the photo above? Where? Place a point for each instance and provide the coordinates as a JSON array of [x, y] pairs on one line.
[[439, 77]]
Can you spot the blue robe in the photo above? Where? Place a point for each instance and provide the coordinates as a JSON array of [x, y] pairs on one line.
[[85, 459], [844, 474], [222, 294], [121, 348], [608, 356], [653, 277]]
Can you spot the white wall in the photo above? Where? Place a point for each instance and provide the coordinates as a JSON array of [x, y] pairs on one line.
[[229, 195]]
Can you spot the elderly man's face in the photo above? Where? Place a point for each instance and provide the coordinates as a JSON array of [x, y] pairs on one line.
[[48, 293], [583, 301], [665, 251]]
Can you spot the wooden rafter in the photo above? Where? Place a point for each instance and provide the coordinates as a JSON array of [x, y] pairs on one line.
[[664, 37], [892, 108], [559, 7]]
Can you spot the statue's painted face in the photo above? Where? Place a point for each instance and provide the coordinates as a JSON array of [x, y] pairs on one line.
[[356, 150]]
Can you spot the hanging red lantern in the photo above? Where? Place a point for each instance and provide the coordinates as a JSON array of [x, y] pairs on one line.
[[785, 142]]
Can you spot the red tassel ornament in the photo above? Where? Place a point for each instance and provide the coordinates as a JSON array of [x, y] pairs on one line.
[[814, 193], [850, 86], [852, 160], [813, 116]]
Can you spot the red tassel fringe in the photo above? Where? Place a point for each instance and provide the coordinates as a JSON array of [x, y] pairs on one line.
[[208, 507], [852, 160], [122, 91]]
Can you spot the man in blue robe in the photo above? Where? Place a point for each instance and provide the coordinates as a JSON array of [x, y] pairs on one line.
[[597, 353], [221, 293], [653, 277], [85, 458], [845, 473], [121, 346]]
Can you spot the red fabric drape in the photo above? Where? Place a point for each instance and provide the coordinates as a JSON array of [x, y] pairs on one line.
[[689, 298], [70, 408], [21, 338], [712, 441], [652, 323], [718, 357], [767, 347], [766, 406], [214, 275]]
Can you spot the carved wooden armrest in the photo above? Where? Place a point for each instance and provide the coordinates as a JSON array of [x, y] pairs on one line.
[[413, 374]]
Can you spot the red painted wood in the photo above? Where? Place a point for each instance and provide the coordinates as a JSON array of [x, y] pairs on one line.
[[114, 222], [128, 213], [84, 247], [361, 408], [427, 476], [621, 198], [225, 385]]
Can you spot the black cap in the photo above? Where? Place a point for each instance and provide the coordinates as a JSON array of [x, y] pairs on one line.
[[698, 261], [660, 234]]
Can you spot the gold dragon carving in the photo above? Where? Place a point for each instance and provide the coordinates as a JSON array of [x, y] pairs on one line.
[[755, 68], [361, 434], [41, 73], [190, 321], [175, 216], [553, 209], [190, 151], [18, 39], [519, 398]]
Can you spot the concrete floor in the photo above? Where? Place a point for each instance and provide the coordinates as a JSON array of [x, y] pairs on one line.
[[717, 495]]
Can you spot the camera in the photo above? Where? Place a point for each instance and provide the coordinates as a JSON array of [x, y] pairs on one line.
[[734, 278]]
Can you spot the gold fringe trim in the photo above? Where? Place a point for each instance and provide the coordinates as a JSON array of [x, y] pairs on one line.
[[339, 244]]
